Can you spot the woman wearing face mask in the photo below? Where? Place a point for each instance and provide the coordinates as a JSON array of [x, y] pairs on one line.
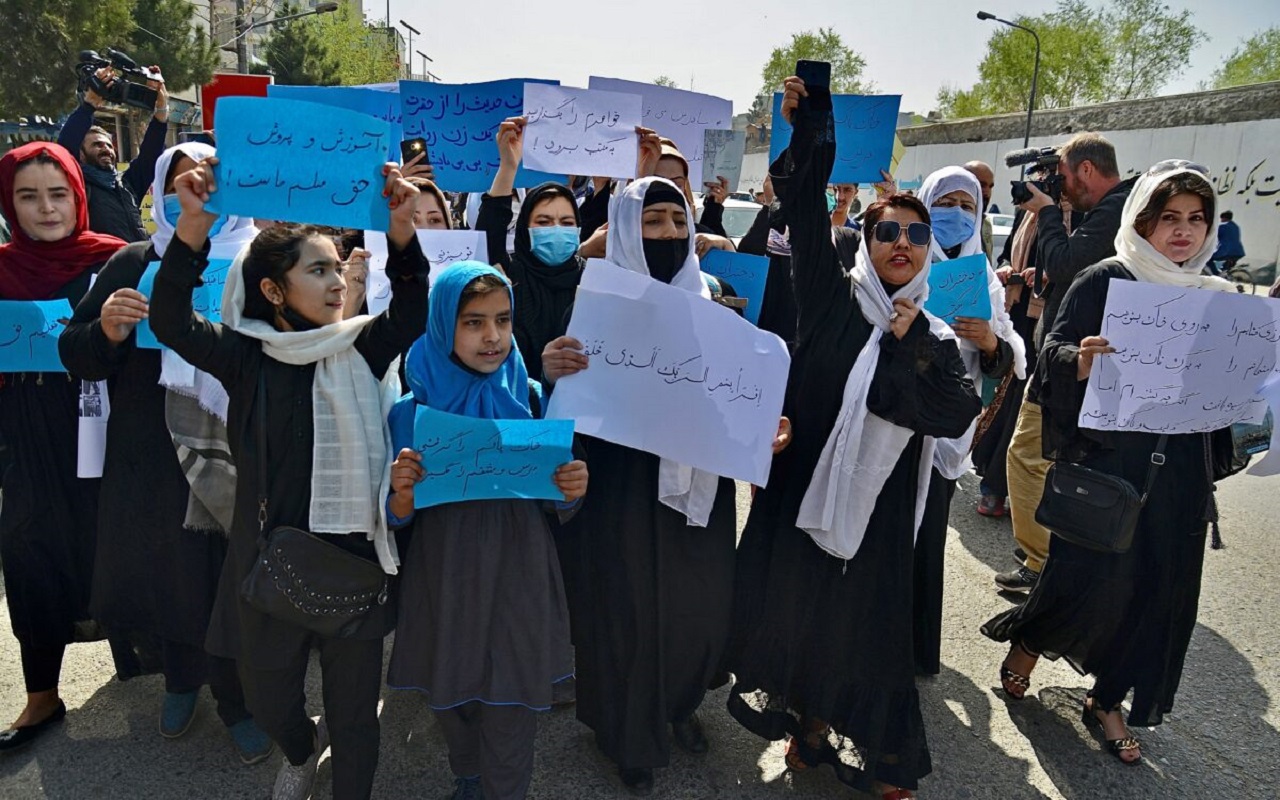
[[545, 268], [1125, 618], [654, 558], [49, 516], [152, 576], [990, 348], [283, 350], [822, 646]]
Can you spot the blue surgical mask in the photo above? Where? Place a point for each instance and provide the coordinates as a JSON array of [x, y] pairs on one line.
[[173, 209], [555, 244], [952, 225], [831, 203]]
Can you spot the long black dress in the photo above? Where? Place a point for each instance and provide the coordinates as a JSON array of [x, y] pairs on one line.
[[1124, 618], [815, 636], [49, 517], [151, 575]]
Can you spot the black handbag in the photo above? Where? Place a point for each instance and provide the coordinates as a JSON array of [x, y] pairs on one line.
[[1094, 509], [301, 579]]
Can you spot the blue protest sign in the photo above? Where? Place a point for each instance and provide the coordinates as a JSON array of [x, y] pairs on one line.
[[865, 126], [958, 288], [380, 103], [747, 274], [29, 331], [293, 161], [206, 300], [459, 122], [466, 458]]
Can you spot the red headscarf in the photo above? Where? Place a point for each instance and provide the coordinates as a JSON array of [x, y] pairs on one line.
[[32, 270]]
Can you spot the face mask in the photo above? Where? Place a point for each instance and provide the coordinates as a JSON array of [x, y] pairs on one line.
[[173, 209], [664, 257], [831, 202], [951, 226], [554, 245]]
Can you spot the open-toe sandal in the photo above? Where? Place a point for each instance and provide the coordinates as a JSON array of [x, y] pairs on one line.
[[1015, 684], [1116, 746]]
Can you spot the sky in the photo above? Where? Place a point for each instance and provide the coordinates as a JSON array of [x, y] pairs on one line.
[[720, 47]]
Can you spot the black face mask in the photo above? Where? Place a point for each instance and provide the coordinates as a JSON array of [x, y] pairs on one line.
[[664, 257], [298, 322]]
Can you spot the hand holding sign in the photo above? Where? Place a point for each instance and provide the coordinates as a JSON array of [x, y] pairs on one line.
[[959, 288], [29, 334]]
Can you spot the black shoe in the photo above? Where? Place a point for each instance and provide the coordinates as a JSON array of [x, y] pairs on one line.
[[1021, 579], [14, 738], [689, 736], [1019, 555], [638, 781]]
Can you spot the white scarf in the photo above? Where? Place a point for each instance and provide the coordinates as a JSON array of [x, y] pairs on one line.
[[951, 456], [351, 460], [863, 449], [1145, 262], [690, 491]]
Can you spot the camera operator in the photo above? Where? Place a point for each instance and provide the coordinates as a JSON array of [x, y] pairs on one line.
[[1091, 183], [115, 198]]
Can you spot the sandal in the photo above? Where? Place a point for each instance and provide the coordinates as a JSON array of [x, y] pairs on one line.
[[795, 761], [1015, 684], [1116, 746]]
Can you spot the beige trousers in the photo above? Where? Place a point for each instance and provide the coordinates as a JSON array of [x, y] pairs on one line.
[[1027, 469]]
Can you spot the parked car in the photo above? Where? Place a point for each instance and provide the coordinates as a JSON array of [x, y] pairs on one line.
[[1001, 229], [738, 215]]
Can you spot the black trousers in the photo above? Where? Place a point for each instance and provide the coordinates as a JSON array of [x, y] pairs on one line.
[[494, 742], [187, 668], [41, 666], [351, 681]]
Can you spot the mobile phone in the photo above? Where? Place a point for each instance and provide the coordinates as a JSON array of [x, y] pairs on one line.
[[815, 74], [412, 148], [203, 137]]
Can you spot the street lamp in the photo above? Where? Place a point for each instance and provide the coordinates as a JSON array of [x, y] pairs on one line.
[[412, 30], [242, 29], [1035, 73], [425, 59]]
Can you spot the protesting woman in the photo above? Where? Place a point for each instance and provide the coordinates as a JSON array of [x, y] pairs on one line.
[[153, 575], [822, 645], [991, 348], [49, 516], [309, 394], [1125, 618]]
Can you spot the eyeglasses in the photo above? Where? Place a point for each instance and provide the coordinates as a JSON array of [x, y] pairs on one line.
[[1171, 164], [888, 231]]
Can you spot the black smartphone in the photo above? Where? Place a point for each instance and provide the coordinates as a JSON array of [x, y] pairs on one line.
[[203, 137], [815, 74], [412, 148]]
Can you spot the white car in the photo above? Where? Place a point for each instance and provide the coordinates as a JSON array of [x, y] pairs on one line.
[[738, 216], [1001, 229]]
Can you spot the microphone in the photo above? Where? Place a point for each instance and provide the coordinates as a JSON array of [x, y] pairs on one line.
[[1027, 155]]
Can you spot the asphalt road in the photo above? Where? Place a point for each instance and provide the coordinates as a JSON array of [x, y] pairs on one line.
[[1221, 741]]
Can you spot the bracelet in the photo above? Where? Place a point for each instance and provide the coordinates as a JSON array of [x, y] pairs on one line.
[[163, 110]]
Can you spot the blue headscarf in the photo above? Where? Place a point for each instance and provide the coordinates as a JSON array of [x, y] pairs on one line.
[[438, 380]]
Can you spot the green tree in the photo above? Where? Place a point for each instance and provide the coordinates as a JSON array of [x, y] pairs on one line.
[[296, 54], [1150, 45], [42, 40], [363, 54], [164, 35], [1256, 60], [823, 45], [663, 80]]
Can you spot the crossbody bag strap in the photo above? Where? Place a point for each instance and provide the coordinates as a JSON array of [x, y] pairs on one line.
[[261, 402], [1157, 461]]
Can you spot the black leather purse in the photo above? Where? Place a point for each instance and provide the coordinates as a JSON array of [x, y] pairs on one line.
[[301, 579], [1094, 509]]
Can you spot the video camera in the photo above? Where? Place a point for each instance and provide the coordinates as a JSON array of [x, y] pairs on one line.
[[1045, 159], [128, 88]]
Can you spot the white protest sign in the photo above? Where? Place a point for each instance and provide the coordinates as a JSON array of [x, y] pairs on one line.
[[442, 248], [1186, 360], [674, 374], [722, 153], [679, 115], [580, 131], [91, 444]]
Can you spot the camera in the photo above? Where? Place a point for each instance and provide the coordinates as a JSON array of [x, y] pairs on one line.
[[129, 87], [1042, 159]]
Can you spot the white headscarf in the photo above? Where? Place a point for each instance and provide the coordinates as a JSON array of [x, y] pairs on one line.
[[863, 449], [952, 455], [690, 491], [351, 460], [1144, 261]]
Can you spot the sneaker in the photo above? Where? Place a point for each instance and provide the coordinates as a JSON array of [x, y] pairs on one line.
[[1022, 579], [295, 783], [177, 713], [254, 745], [467, 789], [991, 506]]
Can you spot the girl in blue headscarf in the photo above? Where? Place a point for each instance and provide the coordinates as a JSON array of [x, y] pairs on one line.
[[487, 632]]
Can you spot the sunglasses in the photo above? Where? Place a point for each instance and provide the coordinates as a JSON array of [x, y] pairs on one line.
[[1169, 165], [888, 231]]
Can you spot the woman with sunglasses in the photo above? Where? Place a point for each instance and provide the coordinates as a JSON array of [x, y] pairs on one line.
[[822, 646], [1125, 618]]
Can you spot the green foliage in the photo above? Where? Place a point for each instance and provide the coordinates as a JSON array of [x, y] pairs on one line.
[[663, 80], [165, 35], [1150, 46], [1256, 60], [43, 39], [362, 54], [297, 55], [824, 45]]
